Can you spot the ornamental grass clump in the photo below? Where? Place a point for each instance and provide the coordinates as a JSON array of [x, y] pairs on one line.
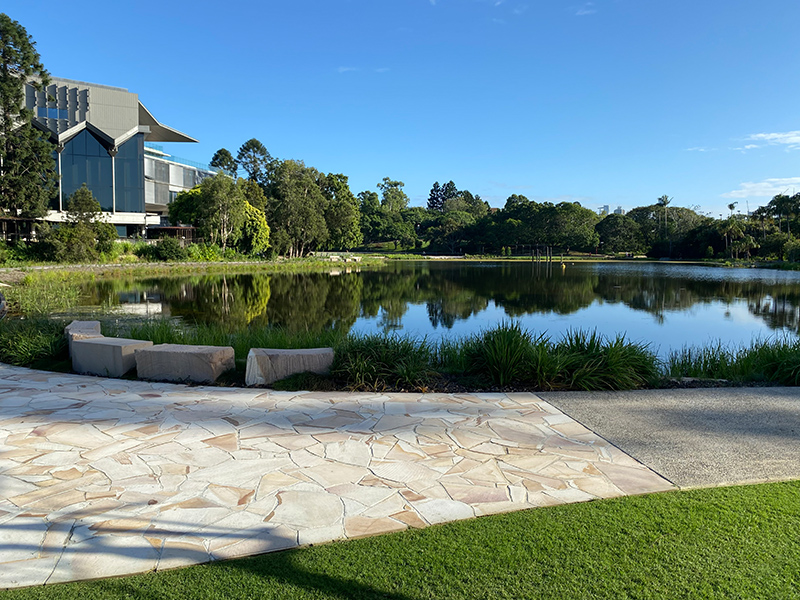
[[589, 361], [377, 362], [763, 361], [25, 342], [500, 354]]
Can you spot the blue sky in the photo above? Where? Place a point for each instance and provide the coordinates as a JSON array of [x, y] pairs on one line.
[[606, 102]]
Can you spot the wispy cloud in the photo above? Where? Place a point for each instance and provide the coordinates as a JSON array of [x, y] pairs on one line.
[[347, 69], [699, 149], [789, 139], [382, 70], [764, 189], [520, 9], [499, 21], [585, 9]]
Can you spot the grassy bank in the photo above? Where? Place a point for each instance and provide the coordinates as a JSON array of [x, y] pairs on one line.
[[507, 357], [46, 290], [737, 542]]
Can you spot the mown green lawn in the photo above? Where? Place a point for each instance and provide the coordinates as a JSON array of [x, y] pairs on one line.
[[737, 542]]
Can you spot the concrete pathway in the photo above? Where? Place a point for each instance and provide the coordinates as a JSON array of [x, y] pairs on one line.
[[102, 477], [698, 437]]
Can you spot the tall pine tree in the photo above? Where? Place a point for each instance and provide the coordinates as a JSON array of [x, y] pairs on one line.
[[27, 170]]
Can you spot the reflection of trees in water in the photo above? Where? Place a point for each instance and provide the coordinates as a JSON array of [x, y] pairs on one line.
[[450, 291]]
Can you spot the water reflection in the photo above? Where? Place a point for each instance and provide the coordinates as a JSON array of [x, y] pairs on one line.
[[464, 295]]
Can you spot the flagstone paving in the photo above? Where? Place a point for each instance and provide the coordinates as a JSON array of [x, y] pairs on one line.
[[102, 477]]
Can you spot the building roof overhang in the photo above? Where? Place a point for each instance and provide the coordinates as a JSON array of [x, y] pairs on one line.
[[158, 131]]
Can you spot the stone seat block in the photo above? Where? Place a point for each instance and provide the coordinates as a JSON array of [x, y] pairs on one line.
[[266, 365], [81, 330], [105, 356], [176, 362]]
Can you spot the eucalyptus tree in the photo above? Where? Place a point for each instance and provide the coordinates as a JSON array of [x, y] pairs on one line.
[[27, 170], [393, 198], [296, 208], [620, 233], [341, 213]]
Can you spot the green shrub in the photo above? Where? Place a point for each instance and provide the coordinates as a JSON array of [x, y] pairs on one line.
[[791, 250], [170, 248], [204, 253]]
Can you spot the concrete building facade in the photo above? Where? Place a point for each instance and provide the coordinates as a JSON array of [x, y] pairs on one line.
[[105, 137]]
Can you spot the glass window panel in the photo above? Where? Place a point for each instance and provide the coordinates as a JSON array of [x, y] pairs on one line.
[[129, 163], [85, 160], [188, 178], [161, 172]]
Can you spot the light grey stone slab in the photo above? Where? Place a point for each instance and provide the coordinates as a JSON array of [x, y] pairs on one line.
[[267, 365], [177, 362], [81, 330], [109, 357]]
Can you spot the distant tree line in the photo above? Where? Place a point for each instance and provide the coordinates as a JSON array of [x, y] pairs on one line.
[[288, 208], [310, 211]]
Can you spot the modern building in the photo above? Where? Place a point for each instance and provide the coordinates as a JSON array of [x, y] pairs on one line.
[[105, 137]]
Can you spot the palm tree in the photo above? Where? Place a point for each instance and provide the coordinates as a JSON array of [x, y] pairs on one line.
[[732, 229]]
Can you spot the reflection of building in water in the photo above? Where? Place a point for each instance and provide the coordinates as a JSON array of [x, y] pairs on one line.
[[145, 304]]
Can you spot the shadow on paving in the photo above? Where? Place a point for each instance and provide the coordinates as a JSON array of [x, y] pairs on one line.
[[697, 437], [96, 558]]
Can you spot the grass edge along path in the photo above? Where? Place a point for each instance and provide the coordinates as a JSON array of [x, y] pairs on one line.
[[733, 542]]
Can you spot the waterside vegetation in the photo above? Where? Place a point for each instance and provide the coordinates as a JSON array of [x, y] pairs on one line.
[[506, 357]]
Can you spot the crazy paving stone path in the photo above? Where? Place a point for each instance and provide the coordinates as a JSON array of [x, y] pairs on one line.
[[102, 477]]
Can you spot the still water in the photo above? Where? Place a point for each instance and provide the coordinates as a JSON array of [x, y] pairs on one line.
[[666, 305]]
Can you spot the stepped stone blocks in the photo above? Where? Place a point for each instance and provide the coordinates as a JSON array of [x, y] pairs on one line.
[[108, 357], [176, 362], [81, 330], [266, 365]]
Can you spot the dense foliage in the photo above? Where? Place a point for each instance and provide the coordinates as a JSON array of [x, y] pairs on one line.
[[27, 169]]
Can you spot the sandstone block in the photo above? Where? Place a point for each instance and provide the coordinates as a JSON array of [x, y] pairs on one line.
[[108, 357], [176, 362], [266, 365], [81, 330]]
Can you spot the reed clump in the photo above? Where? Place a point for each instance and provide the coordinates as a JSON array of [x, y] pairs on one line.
[[774, 360], [27, 342]]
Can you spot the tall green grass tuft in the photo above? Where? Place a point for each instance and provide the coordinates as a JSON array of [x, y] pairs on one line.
[[45, 292], [377, 362], [501, 354], [589, 361], [771, 361], [25, 342]]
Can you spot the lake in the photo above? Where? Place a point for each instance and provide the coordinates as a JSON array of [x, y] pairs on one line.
[[667, 305]]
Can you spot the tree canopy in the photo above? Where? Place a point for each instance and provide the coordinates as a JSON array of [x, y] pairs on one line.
[[27, 170]]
